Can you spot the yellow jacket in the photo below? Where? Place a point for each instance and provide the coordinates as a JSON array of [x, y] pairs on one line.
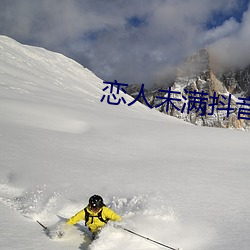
[[94, 223]]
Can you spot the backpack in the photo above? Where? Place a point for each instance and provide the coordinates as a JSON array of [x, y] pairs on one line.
[[88, 216]]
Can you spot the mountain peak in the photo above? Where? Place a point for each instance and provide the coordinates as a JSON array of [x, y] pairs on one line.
[[198, 63], [199, 73]]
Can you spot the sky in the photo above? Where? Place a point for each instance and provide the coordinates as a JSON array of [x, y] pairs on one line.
[[132, 41]]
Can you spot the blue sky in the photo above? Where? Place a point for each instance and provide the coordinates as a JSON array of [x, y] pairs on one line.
[[133, 41], [218, 17]]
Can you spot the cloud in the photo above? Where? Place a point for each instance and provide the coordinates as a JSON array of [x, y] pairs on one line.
[[232, 50], [228, 28], [132, 41]]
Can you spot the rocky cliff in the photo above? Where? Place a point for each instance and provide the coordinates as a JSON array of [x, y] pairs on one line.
[[203, 95]]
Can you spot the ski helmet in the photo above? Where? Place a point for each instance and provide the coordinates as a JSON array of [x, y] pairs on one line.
[[95, 202]]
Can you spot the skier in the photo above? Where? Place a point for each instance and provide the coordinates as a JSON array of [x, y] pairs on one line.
[[95, 214]]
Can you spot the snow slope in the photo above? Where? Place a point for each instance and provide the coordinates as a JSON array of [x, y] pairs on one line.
[[179, 184]]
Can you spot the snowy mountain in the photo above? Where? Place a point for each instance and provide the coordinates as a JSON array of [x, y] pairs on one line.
[[182, 185], [200, 73], [237, 81]]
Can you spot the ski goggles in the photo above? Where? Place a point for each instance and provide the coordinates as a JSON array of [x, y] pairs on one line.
[[94, 208]]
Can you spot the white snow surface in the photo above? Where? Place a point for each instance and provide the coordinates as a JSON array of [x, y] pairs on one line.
[[182, 185]]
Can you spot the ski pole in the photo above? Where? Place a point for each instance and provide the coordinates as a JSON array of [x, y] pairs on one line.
[[45, 228], [146, 238]]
